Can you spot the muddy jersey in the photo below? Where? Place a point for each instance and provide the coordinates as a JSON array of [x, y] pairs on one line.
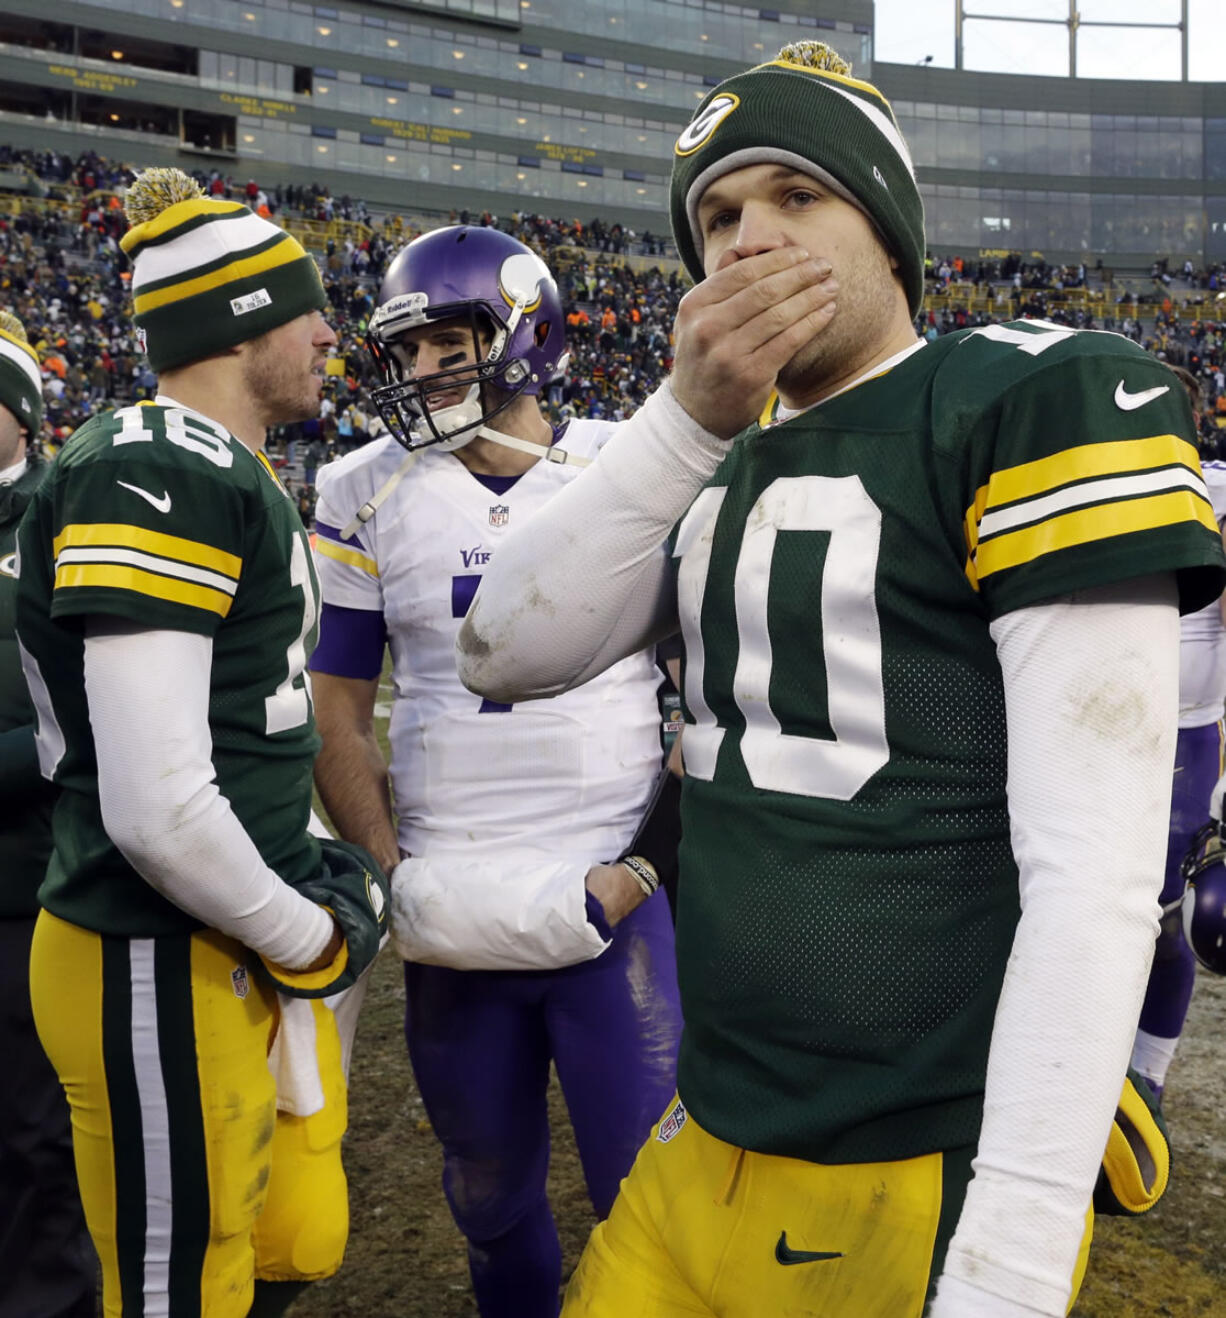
[[849, 894], [158, 516]]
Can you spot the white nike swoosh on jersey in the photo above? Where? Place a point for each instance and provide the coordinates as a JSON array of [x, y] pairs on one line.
[[1127, 402], [162, 503]]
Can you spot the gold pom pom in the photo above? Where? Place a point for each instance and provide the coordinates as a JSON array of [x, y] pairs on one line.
[[156, 190], [13, 327], [815, 55]]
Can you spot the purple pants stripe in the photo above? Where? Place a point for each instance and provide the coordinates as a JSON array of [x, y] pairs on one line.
[[481, 1043]]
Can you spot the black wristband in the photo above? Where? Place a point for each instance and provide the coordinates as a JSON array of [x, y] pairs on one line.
[[644, 873], [659, 835]]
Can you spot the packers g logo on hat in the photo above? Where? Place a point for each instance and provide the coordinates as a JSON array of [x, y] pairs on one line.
[[705, 122]]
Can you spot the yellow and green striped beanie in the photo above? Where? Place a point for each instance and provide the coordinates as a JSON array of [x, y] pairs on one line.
[[208, 274], [21, 379], [804, 110]]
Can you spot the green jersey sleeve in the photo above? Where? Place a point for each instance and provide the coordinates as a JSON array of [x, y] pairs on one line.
[[147, 520], [1084, 470]]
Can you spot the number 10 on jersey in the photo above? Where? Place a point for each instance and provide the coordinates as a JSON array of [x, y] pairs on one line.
[[775, 760]]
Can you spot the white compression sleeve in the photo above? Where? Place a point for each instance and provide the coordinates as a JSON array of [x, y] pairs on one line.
[[1092, 695], [586, 582], [148, 694]]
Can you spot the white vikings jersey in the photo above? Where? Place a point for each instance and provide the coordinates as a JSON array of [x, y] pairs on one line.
[[1202, 638], [564, 777]]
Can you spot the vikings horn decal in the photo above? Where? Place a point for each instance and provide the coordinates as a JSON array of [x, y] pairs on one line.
[[521, 278]]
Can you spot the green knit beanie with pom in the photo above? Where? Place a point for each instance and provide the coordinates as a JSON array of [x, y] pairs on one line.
[[804, 110], [206, 274], [21, 382]]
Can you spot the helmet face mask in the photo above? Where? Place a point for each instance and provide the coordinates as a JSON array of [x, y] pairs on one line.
[[410, 404], [1203, 905], [502, 296]]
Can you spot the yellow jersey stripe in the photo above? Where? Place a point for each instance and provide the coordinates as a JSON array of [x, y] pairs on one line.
[[107, 576], [166, 567], [352, 557], [280, 255], [262, 458], [1085, 494], [974, 515], [1084, 525], [122, 535], [1115, 458]]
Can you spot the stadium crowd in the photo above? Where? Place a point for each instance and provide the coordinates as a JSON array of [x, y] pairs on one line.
[[62, 273]]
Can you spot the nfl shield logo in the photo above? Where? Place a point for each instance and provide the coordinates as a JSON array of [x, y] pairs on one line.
[[238, 980], [500, 514], [670, 1124]]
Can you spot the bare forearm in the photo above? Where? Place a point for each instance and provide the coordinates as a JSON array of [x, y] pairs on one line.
[[352, 779]]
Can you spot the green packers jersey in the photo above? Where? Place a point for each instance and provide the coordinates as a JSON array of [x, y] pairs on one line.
[[849, 894], [158, 515], [25, 815]]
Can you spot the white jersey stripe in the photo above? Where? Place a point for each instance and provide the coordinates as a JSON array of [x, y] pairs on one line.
[[168, 567], [1103, 490], [155, 1129]]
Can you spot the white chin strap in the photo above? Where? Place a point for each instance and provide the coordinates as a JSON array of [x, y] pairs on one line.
[[461, 414], [550, 452], [457, 424]]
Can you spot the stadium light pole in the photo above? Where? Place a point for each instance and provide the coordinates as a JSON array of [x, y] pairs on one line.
[[1074, 22]]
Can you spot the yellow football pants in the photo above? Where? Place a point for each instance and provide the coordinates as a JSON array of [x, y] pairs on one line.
[[193, 1184], [703, 1228]]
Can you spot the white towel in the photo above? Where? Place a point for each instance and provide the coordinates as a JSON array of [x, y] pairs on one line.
[[293, 1058]]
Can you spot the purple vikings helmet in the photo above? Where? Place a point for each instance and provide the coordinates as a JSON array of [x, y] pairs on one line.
[[1203, 907], [505, 292]]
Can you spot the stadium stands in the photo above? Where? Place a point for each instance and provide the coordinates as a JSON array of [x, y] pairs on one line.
[[62, 272]]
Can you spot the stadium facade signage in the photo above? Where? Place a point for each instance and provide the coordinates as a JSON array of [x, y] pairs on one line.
[[91, 80], [257, 105], [421, 132]]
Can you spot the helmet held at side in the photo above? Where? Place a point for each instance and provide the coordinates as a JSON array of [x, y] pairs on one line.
[[1203, 906], [504, 293]]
